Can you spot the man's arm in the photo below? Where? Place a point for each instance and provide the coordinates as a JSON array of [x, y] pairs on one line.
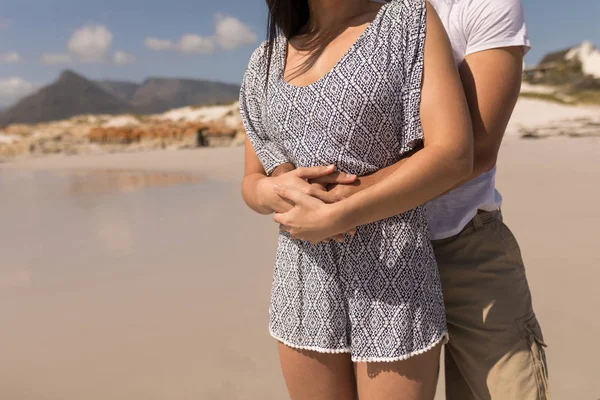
[[282, 169], [491, 76], [491, 80]]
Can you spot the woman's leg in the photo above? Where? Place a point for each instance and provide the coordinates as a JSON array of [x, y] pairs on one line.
[[317, 376], [412, 379]]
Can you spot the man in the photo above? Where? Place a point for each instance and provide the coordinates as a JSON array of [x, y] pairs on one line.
[[496, 349]]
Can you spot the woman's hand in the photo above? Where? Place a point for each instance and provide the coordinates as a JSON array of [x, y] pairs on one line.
[[310, 218]]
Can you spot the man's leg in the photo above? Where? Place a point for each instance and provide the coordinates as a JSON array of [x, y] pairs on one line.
[[496, 349]]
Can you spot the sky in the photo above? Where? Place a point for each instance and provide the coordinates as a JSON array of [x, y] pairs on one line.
[[134, 39]]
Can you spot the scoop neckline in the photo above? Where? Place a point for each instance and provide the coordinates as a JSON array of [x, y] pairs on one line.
[[360, 38]]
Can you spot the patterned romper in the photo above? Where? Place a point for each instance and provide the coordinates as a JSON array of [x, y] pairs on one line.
[[378, 295]]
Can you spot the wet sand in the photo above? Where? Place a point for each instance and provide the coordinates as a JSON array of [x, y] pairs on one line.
[[143, 276]]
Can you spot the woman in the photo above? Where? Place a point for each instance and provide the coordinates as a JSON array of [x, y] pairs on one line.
[[359, 85]]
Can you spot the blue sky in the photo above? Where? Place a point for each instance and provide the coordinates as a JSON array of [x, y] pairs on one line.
[[39, 38]]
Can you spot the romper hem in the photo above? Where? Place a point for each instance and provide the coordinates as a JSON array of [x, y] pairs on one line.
[[310, 348], [443, 339]]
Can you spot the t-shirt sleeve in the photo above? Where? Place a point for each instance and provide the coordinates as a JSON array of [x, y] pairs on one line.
[[252, 106], [492, 24]]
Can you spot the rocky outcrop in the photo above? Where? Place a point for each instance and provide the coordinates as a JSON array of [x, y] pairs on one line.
[[202, 134], [576, 127], [575, 68], [76, 136], [183, 128]]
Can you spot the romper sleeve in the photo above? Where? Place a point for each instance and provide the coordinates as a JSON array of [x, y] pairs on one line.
[[252, 110], [414, 23]]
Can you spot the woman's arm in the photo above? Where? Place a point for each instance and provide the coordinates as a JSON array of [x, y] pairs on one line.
[[447, 156], [258, 189], [446, 159], [257, 198], [263, 153]]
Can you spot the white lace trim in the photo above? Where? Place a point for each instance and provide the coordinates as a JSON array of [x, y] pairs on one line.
[[311, 348], [443, 339]]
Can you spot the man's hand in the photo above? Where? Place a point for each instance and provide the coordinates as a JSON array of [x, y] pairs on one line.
[[337, 191], [344, 184], [297, 179]]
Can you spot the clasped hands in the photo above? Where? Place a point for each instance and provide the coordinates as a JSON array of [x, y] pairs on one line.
[[305, 201]]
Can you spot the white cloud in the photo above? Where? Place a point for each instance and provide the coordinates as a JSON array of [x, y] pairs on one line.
[[158, 44], [122, 58], [231, 33], [12, 89], [91, 42], [193, 44], [11, 57], [189, 43], [56, 58]]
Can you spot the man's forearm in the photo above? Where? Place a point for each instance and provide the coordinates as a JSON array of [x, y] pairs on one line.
[[381, 174], [426, 174], [479, 168], [282, 169], [483, 161], [490, 104]]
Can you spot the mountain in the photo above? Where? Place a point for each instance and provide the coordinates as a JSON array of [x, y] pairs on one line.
[[122, 89], [156, 95], [70, 95], [161, 94]]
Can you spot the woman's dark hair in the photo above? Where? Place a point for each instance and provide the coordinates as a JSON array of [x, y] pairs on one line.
[[286, 17], [290, 18]]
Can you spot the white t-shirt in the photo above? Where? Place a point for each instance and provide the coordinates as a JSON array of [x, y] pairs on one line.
[[472, 26]]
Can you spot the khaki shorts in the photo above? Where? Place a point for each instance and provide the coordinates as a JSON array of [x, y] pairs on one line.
[[496, 348]]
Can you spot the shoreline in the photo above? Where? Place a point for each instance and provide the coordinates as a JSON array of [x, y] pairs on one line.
[[205, 161]]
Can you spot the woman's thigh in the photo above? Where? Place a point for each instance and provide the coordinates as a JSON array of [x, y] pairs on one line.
[[412, 379], [317, 376]]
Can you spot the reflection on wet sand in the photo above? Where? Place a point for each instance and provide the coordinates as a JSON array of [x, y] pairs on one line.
[[115, 284], [15, 277], [98, 182]]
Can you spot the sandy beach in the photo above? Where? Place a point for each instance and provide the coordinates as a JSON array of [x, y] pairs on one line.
[[143, 276]]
